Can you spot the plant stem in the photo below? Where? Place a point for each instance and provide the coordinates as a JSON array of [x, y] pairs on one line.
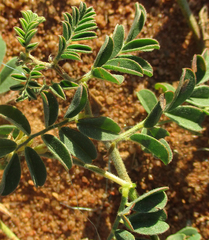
[[120, 168], [125, 135], [7, 231], [190, 19], [42, 132], [155, 237], [121, 208]]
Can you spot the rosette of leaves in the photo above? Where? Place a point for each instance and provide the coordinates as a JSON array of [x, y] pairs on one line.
[[77, 26], [114, 54], [29, 23]]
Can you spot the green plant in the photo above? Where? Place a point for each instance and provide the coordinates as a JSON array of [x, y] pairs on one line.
[[142, 216]]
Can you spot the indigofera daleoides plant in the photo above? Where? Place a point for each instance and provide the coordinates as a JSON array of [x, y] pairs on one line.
[[186, 105]]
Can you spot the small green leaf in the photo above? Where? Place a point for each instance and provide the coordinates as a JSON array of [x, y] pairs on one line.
[[70, 56], [199, 67], [187, 117], [153, 116], [35, 74], [6, 146], [147, 99], [62, 44], [80, 48], [124, 65], [21, 41], [85, 27], [200, 96], [24, 24], [145, 45], [19, 31], [177, 236], [78, 103], [123, 235], [78, 144], [31, 93], [11, 176], [104, 53], [75, 15], [118, 38], [165, 143], [57, 90], [184, 89], [205, 55], [154, 146], [156, 132], [100, 128], [32, 46], [149, 223], [30, 35], [147, 68], [36, 166], [84, 36], [138, 23], [103, 74], [58, 149], [19, 77], [165, 87], [16, 117], [33, 84], [152, 203], [51, 108], [64, 84], [66, 33]]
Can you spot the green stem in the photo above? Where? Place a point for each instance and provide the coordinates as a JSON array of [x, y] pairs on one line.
[[120, 168], [42, 132], [183, 4], [155, 237], [7, 231], [121, 208], [125, 135]]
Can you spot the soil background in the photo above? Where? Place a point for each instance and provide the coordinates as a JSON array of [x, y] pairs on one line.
[[42, 213]]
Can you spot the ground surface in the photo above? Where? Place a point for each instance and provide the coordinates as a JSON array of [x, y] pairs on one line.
[[40, 213]]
